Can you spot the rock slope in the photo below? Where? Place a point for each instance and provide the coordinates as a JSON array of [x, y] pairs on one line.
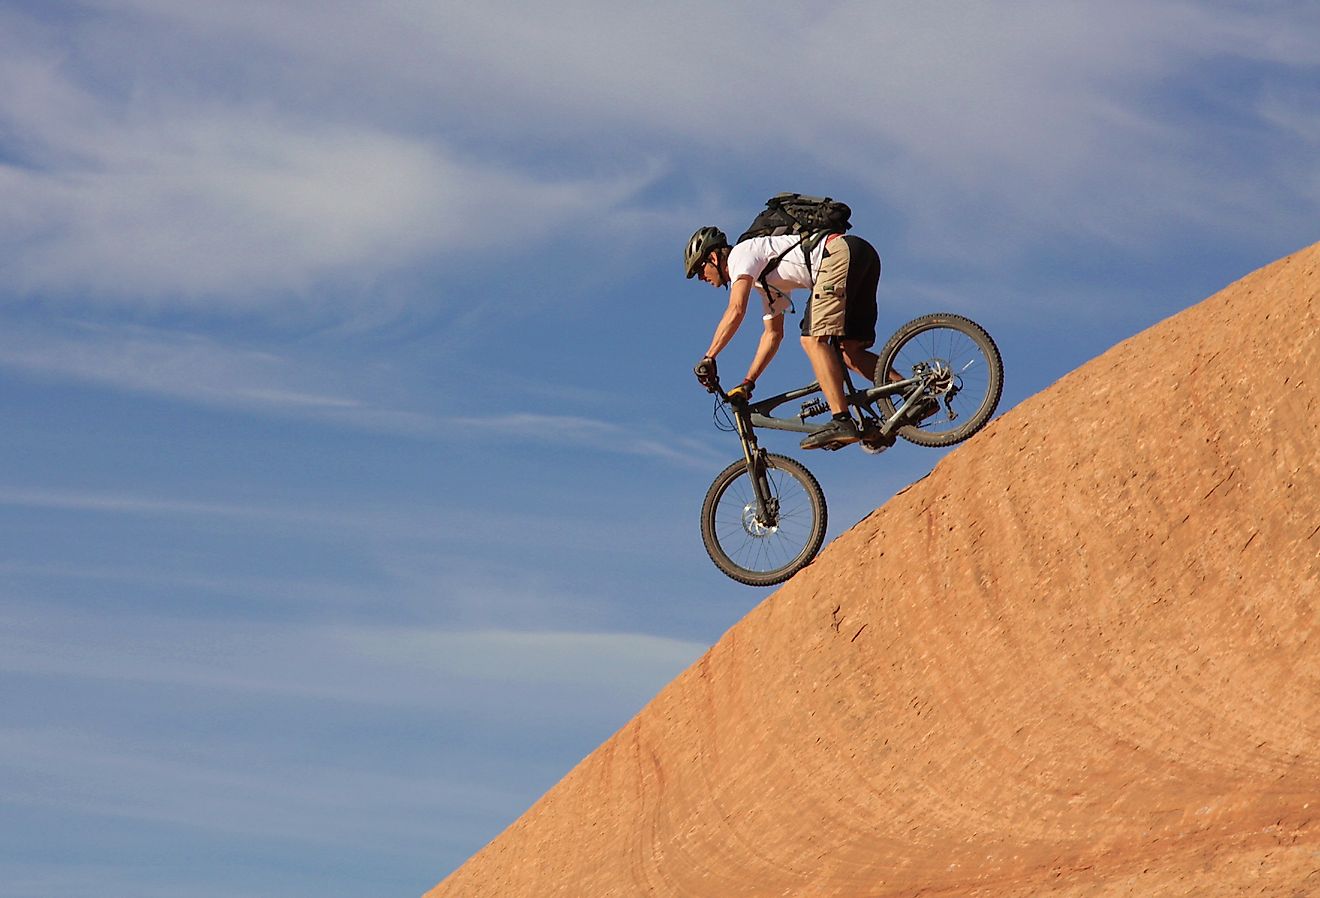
[[1081, 658]]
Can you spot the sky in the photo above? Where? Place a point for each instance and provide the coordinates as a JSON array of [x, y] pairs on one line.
[[352, 457]]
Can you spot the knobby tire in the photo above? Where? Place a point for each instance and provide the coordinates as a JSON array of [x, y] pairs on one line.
[[748, 552], [971, 353]]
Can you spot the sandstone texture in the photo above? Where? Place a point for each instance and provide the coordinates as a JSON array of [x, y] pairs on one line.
[[1081, 658]]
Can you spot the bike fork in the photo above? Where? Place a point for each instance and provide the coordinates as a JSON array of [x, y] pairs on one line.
[[767, 512]]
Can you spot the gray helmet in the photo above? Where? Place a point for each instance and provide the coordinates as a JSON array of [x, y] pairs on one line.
[[703, 242]]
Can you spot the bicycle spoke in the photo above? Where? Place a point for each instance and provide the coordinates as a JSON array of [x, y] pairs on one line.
[[754, 544], [967, 361]]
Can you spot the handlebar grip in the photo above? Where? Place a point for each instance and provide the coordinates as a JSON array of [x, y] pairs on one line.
[[706, 375]]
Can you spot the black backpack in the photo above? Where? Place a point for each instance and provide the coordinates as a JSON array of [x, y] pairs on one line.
[[813, 217], [793, 213]]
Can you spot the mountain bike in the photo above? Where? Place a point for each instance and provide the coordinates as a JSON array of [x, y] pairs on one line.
[[938, 381]]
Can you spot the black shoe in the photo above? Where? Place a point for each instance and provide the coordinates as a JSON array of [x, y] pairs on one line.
[[838, 432]]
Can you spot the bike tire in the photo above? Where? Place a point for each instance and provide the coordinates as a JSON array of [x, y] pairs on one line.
[[971, 354], [744, 549]]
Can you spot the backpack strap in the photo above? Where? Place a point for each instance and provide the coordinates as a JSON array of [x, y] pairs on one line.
[[774, 263], [808, 244]]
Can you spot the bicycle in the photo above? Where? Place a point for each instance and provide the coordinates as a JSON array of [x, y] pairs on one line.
[[764, 516]]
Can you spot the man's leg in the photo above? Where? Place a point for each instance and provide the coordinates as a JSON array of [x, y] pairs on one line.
[[825, 362], [826, 321], [862, 279], [828, 370], [860, 359]]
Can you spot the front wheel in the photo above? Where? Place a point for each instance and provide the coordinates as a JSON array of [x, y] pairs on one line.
[[762, 547], [960, 364]]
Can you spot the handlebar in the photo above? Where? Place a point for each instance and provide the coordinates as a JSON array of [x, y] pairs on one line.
[[708, 376]]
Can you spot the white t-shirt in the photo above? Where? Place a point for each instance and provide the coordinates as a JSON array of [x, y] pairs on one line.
[[752, 256]]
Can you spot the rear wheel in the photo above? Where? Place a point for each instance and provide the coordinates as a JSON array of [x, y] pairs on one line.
[[961, 363], [763, 549]]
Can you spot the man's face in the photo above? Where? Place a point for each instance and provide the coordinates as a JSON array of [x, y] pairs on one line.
[[710, 271]]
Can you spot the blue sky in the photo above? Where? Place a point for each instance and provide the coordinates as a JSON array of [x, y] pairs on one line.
[[352, 457]]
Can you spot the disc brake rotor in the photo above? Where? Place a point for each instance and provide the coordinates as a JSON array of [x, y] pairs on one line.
[[941, 376], [753, 524]]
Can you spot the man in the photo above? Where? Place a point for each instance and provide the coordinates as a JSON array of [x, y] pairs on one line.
[[842, 272]]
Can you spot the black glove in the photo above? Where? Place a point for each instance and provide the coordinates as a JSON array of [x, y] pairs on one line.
[[705, 372], [742, 392]]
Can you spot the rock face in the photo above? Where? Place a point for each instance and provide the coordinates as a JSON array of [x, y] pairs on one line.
[[1081, 658]]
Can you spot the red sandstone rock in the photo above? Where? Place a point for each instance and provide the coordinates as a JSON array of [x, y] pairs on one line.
[[1081, 658]]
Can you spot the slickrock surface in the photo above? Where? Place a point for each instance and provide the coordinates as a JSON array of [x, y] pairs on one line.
[[1081, 658]]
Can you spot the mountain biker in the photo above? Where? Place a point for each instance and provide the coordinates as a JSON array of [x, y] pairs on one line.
[[843, 274]]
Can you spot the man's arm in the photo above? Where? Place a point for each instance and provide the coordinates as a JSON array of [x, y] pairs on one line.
[[771, 337], [739, 293]]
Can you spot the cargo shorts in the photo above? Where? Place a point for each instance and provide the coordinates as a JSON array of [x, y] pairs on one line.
[[843, 297]]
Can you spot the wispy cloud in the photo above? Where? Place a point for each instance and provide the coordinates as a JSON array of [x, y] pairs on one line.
[[1022, 108], [412, 666], [171, 363], [304, 589], [202, 370], [233, 205], [542, 657], [121, 503], [998, 128], [234, 786], [607, 436], [162, 197]]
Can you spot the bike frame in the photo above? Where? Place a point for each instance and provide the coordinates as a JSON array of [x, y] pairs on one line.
[[758, 414], [748, 416]]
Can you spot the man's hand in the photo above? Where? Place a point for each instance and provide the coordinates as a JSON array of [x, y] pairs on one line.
[[705, 372], [742, 392]]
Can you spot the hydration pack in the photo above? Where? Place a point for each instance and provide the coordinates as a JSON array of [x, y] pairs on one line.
[[812, 217], [793, 213]]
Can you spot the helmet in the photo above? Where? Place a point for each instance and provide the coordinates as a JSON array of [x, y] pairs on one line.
[[700, 246]]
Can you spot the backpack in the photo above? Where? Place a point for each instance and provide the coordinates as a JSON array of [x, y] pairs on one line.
[[793, 213], [813, 217]]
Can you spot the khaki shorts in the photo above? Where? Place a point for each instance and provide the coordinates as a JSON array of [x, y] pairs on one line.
[[843, 298]]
